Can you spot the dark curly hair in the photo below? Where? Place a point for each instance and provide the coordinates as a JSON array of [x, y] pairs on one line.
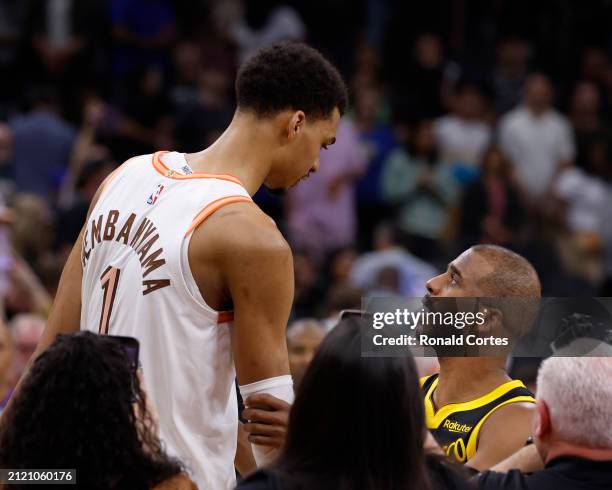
[[81, 407], [290, 75]]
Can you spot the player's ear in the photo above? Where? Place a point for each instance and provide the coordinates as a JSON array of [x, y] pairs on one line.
[[295, 124], [492, 321]]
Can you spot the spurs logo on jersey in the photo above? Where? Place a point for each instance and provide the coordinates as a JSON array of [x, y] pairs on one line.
[[137, 282], [456, 427]]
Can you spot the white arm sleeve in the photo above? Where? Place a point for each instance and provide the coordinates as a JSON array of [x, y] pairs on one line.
[[280, 387]]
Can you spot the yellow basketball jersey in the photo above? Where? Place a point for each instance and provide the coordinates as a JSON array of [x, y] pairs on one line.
[[456, 426]]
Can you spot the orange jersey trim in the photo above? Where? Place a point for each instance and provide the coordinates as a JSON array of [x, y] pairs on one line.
[[163, 169], [212, 207]]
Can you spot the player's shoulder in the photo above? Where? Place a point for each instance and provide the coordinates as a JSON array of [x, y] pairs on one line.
[[241, 227], [516, 414]]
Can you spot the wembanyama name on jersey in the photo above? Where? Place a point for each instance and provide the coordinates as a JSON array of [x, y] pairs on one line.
[[141, 238]]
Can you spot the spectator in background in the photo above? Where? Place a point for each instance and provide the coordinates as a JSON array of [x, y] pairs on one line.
[[570, 430], [490, 209], [594, 63], [339, 264], [70, 220], [303, 339], [187, 60], [587, 200], [309, 289], [536, 139], [144, 32], [266, 22], [147, 103], [509, 74], [585, 116], [339, 435], [38, 168], [32, 233], [26, 330], [6, 361], [413, 272], [13, 17], [6, 151], [202, 120], [463, 135], [85, 149], [321, 212], [379, 140], [68, 37], [420, 86], [339, 298], [82, 406], [421, 188]]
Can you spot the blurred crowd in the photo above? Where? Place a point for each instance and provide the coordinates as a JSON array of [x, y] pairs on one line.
[[468, 124]]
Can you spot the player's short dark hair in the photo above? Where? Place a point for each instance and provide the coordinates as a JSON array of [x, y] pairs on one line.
[[513, 275], [290, 75], [513, 286]]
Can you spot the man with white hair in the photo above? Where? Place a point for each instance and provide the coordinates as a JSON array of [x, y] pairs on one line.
[[572, 429]]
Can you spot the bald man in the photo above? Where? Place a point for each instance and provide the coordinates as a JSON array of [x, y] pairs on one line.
[[474, 410]]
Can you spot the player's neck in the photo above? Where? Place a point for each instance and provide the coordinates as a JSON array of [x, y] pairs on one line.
[[243, 150], [465, 378]]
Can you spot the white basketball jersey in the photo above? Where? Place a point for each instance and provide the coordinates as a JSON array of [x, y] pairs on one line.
[[137, 282]]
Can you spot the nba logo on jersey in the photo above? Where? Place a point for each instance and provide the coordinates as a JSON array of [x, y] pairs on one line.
[[153, 197]]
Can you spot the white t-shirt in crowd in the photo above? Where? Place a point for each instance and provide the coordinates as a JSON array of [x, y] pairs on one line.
[[536, 145], [588, 199], [461, 141]]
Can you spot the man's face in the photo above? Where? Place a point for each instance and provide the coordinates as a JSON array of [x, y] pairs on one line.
[[299, 155], [461, 277], [302, 342], [459, 281], [538, 93]]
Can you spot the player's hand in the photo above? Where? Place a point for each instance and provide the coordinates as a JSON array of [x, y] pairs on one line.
[[267, 419]]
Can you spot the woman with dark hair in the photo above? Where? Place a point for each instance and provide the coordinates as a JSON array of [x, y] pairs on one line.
[[81, 406], [491, 209], [357, 424]]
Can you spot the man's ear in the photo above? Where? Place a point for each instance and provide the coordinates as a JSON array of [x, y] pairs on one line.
[[541, 421], [295, 124], [493, 321]]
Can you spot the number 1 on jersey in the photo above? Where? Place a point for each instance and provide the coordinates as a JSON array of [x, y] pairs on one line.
[[109, 281]]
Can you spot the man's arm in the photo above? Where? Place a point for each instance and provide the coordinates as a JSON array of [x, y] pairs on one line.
[[241, 249], [258, 273], [526, 460], [504, 433]]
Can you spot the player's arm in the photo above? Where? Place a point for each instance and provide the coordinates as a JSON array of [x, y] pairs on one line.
[[259, 277], [526, 460], [256, 269], [504, 433]]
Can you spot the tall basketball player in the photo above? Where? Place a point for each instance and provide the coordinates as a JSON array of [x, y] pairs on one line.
[[176, 254]]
